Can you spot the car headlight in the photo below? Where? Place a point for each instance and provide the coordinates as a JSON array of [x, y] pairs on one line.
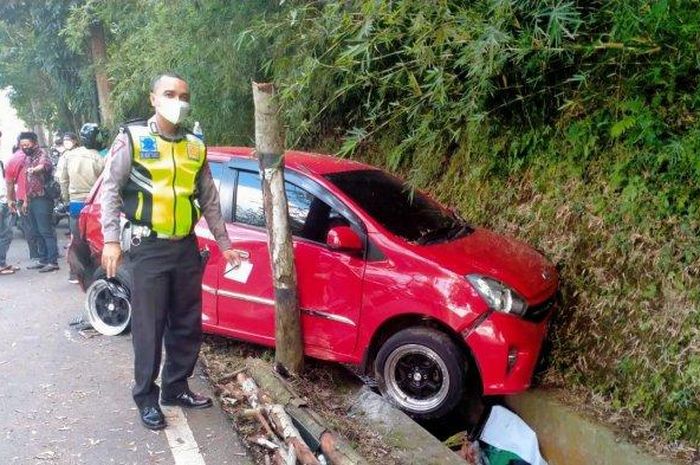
[[497, 295]]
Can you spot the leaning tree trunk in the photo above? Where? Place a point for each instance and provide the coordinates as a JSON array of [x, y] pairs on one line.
[[99, 57], [269, 146]]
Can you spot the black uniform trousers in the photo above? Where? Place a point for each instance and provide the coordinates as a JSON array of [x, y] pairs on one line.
[[166, 299]]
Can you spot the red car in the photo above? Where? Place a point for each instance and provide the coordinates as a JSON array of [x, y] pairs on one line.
[[388, 280]]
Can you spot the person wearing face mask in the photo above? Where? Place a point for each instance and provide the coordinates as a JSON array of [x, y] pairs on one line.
[[68, 143], [29, 170], [16, 187], [157, 175], [56, 150]]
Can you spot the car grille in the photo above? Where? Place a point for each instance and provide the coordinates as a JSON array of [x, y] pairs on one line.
[[538, 313]]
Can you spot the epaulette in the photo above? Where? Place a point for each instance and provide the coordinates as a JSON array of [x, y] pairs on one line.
[[133, 122], [124, 127]]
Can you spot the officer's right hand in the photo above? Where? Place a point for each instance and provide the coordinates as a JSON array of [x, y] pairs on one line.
[[111, 256]]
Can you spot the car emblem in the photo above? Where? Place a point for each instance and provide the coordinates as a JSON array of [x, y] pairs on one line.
[[546, 275]]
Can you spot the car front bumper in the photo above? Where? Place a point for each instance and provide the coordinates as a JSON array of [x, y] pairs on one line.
[[506, 350]]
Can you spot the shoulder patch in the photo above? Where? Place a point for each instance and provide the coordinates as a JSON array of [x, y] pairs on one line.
[[195, 150]]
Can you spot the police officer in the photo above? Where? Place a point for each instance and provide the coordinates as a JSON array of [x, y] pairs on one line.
[[157, 175]]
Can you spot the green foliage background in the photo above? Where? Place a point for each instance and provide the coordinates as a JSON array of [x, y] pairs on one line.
[[51, 84], [570, 124], [197, 39]]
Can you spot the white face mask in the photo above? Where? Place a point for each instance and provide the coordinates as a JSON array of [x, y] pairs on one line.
[[173, 110]]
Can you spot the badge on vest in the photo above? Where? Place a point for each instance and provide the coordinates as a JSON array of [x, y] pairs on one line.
[[149, 148], [193, 151]]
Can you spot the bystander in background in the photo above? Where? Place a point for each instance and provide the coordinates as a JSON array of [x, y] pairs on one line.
[[80, 167]]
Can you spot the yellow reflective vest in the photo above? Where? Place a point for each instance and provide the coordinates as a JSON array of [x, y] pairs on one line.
[[160, 192]]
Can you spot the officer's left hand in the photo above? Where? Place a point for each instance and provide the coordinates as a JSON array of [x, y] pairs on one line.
[[233, 257]]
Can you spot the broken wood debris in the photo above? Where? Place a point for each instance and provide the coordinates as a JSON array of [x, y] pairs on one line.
[[226, 377], [282, 440]]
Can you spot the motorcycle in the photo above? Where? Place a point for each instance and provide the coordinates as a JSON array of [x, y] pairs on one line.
[[60, 212]]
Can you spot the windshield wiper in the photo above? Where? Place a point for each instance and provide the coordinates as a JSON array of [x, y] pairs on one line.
[[463, 230], [449, 231]]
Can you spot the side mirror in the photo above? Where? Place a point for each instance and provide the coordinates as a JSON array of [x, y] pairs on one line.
[[343, 238]]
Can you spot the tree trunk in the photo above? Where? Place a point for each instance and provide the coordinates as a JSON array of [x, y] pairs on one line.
[[269, 146], [37, 127], [104, 88]]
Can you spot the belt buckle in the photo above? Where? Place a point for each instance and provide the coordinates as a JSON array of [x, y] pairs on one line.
[[138, 232]]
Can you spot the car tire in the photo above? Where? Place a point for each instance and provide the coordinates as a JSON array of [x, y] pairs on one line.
[[109, 312], [421, 371]]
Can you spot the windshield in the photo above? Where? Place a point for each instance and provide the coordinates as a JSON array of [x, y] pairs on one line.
[[401, 210]]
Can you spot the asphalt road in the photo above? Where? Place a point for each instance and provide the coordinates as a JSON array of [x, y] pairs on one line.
[[65, 398]]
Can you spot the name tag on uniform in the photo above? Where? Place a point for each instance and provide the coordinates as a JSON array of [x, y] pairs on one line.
[[149, 148]]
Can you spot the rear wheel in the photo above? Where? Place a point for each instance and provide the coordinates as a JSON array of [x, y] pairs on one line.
[[107, 304], [421, 371]]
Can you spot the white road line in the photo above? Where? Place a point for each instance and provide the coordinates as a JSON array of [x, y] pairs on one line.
[[184, 447]]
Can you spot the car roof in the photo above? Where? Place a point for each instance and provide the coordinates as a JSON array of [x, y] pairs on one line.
[[307, 162]]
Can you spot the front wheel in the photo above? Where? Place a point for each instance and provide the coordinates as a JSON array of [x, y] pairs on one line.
[[421, 371]]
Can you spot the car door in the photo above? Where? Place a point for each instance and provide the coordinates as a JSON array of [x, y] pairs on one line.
[[207, 243], [329, 282], [246, 306]]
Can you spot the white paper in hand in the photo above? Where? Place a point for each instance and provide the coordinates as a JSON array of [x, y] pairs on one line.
[[239, 274]]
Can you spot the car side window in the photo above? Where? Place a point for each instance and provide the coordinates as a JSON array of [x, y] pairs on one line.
[[217, 170], [309, 217], [299, 203], [249, 200]]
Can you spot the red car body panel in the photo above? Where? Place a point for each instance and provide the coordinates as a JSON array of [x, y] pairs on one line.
[[346, 300]]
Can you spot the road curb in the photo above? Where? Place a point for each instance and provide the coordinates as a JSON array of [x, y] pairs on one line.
[[410, 442], [413, 444], [568, 438]]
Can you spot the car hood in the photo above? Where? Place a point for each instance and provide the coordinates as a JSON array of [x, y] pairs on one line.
[[506, 259]]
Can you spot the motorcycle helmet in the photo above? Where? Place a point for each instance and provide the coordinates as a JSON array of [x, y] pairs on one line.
[[91, 136]]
